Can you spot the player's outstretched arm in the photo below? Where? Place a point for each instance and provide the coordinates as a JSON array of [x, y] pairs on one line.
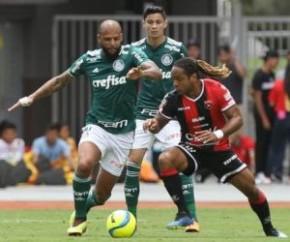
[[48, 88]]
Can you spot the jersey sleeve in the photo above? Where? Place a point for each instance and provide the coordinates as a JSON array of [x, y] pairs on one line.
[[183, 51], [168, 106], [224, 97], [76, 69], [139, 57]]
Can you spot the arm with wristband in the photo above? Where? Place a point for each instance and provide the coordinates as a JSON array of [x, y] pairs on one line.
[[234, 123], [47, 89]]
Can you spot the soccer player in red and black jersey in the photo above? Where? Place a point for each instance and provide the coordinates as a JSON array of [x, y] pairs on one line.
[[207, 114]]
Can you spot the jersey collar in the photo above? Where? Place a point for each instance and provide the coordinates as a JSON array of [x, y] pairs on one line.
[[157, 47], [104, 55], [198, 97]]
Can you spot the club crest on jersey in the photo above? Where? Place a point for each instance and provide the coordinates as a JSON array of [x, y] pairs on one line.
[[208, 104], [118, 65], [166, 59]]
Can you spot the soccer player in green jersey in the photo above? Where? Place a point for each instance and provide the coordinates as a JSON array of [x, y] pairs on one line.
[[164, 51], [110, 122]]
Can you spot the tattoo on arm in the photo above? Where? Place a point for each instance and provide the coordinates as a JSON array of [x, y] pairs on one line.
[[53, 85]]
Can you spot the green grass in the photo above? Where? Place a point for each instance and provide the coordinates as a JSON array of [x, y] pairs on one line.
[[217, 225]]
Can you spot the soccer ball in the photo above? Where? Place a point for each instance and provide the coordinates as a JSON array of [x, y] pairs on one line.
[[121, 224]]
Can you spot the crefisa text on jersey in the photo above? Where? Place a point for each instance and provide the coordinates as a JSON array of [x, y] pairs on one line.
[[111, 80]]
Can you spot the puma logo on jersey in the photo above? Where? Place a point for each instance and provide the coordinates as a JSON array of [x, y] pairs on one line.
[[111, 80]]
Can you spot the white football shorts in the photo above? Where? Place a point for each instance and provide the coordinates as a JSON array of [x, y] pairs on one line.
[[115, 148], [168, 137]]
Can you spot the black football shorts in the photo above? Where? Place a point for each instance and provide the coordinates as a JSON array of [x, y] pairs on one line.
[[223, 164]]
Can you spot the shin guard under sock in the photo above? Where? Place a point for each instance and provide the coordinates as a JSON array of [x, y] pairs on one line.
[[188, 194], [81, 188], [132, 187]]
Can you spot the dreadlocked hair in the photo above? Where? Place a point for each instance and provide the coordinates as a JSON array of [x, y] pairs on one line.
[[213, 71], [192, 66]]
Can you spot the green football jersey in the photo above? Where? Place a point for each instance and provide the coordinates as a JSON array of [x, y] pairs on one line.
[[113, 97], [152, 92]]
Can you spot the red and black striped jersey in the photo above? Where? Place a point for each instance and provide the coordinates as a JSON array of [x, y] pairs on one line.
[[204, 112]]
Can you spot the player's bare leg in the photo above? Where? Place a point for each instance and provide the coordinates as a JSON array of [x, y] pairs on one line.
[[102, 191], [245, 182], [88, 155]]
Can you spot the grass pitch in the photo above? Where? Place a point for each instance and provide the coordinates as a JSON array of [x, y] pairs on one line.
[[217, 225]]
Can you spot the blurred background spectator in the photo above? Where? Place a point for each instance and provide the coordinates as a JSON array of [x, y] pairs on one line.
[[194, 49], [12, 167], [279, 99], [227, 55], [52, 157], [280, 74], [65, 134], [262, 83]]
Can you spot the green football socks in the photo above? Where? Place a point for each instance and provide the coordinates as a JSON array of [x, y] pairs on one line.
[[81, 188], [132, 187], [188, 194], [92, 199]]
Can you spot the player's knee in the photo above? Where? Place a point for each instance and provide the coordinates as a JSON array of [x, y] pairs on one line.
[[136, 157], [165, 161], [253, 193], [84, 168]]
